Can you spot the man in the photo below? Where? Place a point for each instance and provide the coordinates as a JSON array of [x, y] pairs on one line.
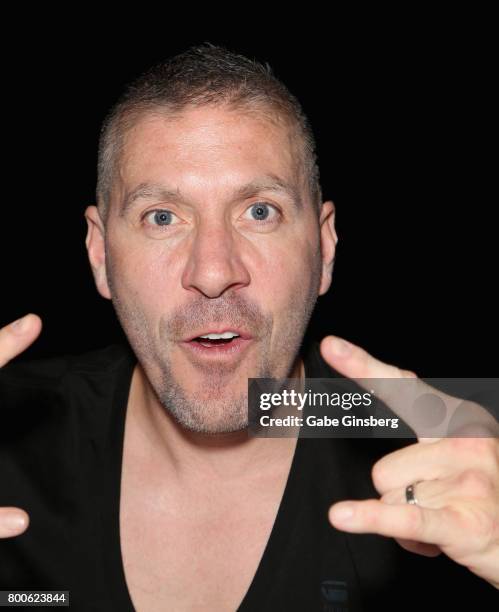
[[135, 470]]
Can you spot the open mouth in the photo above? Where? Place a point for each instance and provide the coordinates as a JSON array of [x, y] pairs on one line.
[[210, 342], [218, 344]]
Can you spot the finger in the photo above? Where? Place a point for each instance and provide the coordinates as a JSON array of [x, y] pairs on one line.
[[433, 463], [404, 521], [428, 411], [473, 488], [13, 522], [433, 494], [395, 387], [354, 362], [427, 550], [415, 462], [17, 336]]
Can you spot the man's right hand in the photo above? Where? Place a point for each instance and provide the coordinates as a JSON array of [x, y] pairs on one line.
[[14, 339]]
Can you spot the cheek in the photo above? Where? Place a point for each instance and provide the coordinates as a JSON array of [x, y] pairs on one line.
[[286, 269], [140, 276], [281, 270]]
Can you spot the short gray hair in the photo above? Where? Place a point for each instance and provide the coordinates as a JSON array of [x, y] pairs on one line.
[[205, 74]]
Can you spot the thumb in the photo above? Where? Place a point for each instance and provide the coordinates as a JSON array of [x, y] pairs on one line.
[[13, 522]]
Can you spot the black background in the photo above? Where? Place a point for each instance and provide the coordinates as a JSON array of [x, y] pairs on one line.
[[402, 108], [402, 126]]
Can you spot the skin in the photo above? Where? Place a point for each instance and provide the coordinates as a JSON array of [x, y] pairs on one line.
[[458, 476], [218, 264], [212, 263]]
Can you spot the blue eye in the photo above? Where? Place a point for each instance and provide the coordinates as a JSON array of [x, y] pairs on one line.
[[160, 217], [260, 211]]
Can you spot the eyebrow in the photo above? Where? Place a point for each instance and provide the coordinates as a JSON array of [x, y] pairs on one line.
[[268, 182]]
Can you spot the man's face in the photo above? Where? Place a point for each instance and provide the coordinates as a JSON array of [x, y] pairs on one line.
[[208, 257]]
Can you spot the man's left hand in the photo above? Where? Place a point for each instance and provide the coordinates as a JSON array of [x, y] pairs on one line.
[[457, 480]]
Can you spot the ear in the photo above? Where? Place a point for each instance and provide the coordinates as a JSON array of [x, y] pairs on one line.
[[329, 240], [96, 250]]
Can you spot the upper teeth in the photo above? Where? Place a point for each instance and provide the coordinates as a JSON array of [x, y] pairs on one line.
[[227, 334]]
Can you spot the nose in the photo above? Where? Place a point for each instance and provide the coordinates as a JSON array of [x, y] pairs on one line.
[[214, 261]]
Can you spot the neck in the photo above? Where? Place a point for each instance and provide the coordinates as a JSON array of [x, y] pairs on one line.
[[156, 439]]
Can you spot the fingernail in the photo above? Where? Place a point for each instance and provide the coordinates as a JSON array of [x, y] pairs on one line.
[[341, 348], [21, 325], [342, 512], [13, 521]]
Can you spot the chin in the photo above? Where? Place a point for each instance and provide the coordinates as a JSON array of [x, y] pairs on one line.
[[197, 423], [217, 428]]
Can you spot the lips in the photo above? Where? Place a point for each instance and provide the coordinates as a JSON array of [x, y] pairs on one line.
[[226, 352], [219, 329]]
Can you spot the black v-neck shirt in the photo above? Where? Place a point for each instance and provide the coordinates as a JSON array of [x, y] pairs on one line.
[[61, 448]]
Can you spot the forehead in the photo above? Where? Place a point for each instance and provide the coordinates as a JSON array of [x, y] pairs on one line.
[[214, 144]]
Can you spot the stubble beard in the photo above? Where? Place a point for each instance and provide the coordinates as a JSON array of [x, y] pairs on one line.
[[215, 409]]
